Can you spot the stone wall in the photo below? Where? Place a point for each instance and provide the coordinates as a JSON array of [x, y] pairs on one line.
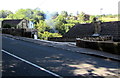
[[19, 32], [61, 39], [110, 47]]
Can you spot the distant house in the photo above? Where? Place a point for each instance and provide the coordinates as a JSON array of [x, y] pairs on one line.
[[19, 27], [17, 24]]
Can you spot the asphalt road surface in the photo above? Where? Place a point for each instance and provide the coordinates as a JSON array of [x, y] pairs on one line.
[[24, 59], [13, 67]]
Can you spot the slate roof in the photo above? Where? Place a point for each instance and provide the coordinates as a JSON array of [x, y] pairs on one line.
[[80, 30], [13, 22], [84, 30]]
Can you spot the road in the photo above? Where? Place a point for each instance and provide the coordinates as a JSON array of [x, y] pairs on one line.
[[24, 59]]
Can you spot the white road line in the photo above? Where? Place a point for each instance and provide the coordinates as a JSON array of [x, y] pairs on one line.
[[41, 68]]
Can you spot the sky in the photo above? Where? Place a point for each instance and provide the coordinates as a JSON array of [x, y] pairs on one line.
[[92, 7]]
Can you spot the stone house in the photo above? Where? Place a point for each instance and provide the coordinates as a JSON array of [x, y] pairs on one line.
[[85, 30], [19, 27], [17, 23]]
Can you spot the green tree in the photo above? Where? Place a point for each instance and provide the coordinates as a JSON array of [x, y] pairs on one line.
[[42, 26], [5, 13], [21, 13], [64, 13], [33, 15], [59, 24], [47, 34]]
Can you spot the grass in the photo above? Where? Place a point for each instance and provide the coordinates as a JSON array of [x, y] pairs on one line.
[[108, 19]]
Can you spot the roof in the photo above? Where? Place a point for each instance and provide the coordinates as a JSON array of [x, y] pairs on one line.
[[83, 30], [80, 30], [13, 22]]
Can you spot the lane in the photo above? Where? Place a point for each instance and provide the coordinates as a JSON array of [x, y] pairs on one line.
[[13, 67], [62, 62], [32, 64]]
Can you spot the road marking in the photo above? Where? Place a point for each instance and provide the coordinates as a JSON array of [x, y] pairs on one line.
[[41, 68]]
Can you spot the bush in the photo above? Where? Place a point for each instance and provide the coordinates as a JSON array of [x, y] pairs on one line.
[[47, 34]]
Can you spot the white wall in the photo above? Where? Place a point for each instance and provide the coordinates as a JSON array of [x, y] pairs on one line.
[[30, 24]]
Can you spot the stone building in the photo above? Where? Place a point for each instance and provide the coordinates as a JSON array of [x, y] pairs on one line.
[[19, 27], [85, 30]]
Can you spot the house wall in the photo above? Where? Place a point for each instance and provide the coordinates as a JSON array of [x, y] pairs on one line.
[[30, 24], [23, 24]]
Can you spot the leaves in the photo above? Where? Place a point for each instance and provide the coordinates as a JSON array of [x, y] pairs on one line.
[[47, 34], [5, 13], [34, 15]]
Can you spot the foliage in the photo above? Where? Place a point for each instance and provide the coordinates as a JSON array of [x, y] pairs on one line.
[[42, 26], [64, 13], [108, 19], [33, 15], [47, 34], [5, 13]]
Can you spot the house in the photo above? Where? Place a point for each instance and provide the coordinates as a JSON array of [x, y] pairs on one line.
[[85, 30], [19, 27], [17, 23]]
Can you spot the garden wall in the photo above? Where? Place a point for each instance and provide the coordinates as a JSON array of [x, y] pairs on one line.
[[107, 46], [19, 32], [61, 39]]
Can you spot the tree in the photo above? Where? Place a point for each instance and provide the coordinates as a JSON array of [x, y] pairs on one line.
[[83, 18], [5, 13], [21, 13], [42, 26], [64, 13], [33, 15], [86, 17], [46, 34], [59, 24]]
